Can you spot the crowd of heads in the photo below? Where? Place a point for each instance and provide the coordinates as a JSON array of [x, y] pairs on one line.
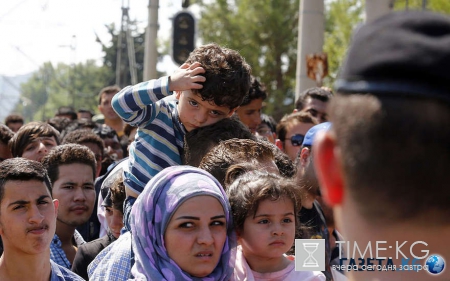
[[227, 189]]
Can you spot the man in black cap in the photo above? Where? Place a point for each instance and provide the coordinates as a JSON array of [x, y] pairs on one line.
[[383, 165]]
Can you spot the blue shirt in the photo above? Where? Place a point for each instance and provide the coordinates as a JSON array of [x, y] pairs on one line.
[[58, 255], [60, 273], [114, 262], [160, 135]]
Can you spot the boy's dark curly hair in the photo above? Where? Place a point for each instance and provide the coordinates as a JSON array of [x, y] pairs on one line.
[[226, 72]]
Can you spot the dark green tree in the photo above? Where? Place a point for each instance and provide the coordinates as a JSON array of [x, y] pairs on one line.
[[342, 17], [64, 85], [265, 33], [111, 48]]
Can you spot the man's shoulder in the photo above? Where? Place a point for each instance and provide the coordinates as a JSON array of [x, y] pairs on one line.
[[60, 273]]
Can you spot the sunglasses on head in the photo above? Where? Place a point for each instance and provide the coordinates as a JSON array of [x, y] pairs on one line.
[[297, 139]]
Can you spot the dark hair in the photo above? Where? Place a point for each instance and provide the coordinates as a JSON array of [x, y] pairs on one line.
[[234, 151], [29, 132], [248, 187], [66, 154], [21, 169], [128, 129], [296, 117], [257, 91], [321, 94], [83, 136], [226, 72], [60, 123], [105, 132], [77, 124], [5, 134], [67, 110], [285, 165], [395, 155], [108, 90], [118, 195], [13, 118], [84, 110], [199, 141], [269, 121]]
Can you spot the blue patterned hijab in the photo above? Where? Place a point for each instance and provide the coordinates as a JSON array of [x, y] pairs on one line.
[[152, 212]]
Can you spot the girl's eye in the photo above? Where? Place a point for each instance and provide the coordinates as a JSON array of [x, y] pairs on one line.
[[186, 225], [263, 221], [193, 103], [217, 223], [287, 220]]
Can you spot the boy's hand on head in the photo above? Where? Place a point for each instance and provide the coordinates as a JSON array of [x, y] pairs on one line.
[[187, 77]]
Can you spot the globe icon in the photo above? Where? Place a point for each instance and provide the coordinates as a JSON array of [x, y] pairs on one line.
[[435, 264]]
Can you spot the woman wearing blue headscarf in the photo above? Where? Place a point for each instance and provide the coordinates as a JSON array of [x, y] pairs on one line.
[[182, 228]]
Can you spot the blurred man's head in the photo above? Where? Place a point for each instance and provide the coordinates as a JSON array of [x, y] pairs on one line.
[[104, 102], [5, 136], [314, 101]]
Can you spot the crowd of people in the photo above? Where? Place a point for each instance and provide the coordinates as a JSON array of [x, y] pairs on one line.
[[184, 178]]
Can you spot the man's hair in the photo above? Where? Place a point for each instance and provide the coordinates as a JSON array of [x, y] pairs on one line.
[[293, 118], [234, 151], [82, 136], [67, 154], [67, 110], [29, 132], [84, 110], [105, 132], [13, 118], [199, 141], [5, 134], [321, 94], [226, 72], [21, 169], [257, 91], [269, 121], [249, 187], [395, 155], [60, 123], [108, 90], [118, 195]]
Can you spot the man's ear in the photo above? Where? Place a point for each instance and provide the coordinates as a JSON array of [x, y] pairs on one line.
[[327, 164], [56, 204], [232, 111], [279, 144], [304, 156]]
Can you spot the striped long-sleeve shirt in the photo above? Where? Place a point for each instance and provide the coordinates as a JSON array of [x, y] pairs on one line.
[[159, 139]]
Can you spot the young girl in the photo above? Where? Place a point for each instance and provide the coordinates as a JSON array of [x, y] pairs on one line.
[[264, 208]]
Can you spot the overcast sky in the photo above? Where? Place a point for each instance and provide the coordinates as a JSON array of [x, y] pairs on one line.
[[35, 31]]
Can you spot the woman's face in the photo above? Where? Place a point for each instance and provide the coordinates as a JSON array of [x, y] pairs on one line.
[[39, 147], [196, 234]]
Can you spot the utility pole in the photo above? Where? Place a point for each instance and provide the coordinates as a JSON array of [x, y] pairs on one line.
[[151, 35], [120, 64], [377, 8], [310, 40]]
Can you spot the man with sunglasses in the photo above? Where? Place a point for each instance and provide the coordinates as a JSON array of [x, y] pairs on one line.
[[291, 131]]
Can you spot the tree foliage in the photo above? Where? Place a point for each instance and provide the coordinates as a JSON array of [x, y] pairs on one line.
[[111, 48], [441, 6], [342, 17], [64, 85], [265, 33]]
